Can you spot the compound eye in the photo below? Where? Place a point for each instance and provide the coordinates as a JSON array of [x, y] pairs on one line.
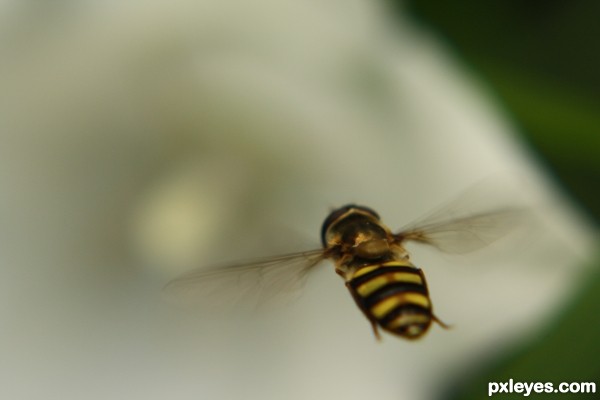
[[331, 218]]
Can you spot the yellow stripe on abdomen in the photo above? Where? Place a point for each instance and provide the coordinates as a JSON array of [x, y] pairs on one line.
[[388, 304], [380, 281], [398, 263], [365, 270]]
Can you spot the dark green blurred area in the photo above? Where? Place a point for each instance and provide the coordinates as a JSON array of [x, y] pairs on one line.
[[542, 60], [566, 350]]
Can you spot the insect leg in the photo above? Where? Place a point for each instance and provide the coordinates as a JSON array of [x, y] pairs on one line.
[[375, 330], [440, 322]]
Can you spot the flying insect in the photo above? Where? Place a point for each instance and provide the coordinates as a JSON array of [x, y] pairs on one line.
[[372, 260]]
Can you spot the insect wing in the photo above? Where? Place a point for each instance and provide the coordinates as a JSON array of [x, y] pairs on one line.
[[463, 234], [245, 284]]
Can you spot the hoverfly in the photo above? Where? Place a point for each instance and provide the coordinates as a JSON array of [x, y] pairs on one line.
[[387, 287]]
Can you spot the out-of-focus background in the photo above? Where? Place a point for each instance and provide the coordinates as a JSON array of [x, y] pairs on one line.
[[540, 61], [144, 139]]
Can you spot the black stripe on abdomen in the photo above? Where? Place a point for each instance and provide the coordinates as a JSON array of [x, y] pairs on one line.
[[392, 289]]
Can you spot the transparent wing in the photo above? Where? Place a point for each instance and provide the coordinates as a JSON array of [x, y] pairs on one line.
[[245, 284], [463, 234], [477, 217]]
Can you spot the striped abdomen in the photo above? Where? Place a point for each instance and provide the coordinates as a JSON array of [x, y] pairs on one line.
[[394, 296]]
